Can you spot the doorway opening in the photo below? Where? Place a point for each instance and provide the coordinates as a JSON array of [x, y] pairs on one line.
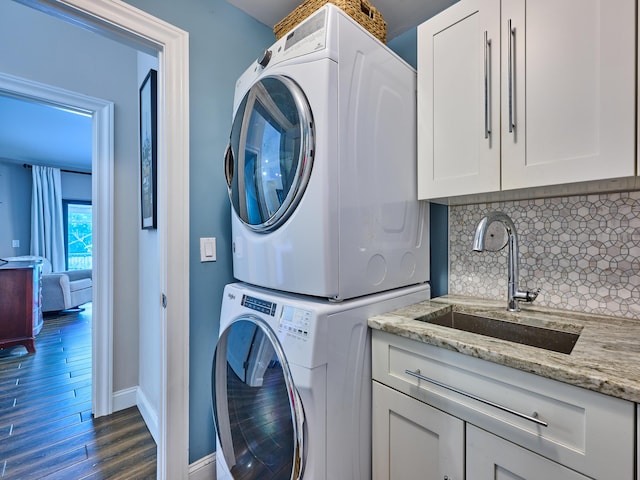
[[126, 24], [101, 112]]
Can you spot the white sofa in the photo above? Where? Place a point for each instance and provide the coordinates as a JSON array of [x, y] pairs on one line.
[[62, 290]]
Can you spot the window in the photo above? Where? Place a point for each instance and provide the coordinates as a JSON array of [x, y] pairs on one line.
[[77, 225]]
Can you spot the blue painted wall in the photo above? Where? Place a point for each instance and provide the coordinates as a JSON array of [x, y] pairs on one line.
[[406, 45], [439, 249], [223, 41], [15, 208]]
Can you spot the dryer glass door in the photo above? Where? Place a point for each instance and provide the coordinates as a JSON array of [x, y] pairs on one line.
[[257, 410], [270, 153]]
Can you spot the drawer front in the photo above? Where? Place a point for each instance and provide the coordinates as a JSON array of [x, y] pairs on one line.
[[585, 430]]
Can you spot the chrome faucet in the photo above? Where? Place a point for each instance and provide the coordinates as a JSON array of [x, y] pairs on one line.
[[514, 292]]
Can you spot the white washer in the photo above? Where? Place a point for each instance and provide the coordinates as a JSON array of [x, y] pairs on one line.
[[291, 384], [321, 165]]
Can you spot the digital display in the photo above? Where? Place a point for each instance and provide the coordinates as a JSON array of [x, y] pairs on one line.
[[259, 305], [295, 322]]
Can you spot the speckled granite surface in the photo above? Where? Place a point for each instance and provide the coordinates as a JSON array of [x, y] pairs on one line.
[[606, 357]]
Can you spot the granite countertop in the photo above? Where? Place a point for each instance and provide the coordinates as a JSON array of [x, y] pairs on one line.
[[605, 359]]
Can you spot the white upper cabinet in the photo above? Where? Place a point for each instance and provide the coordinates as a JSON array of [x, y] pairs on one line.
[[459, 100], [553, 91], [569, 91]]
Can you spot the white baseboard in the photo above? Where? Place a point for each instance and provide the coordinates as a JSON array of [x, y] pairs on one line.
[[125, 398], [203, 469], [149, 414], [134, 396]]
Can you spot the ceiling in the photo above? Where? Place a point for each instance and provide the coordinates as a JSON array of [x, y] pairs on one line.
[[44, 134], [400, 15]]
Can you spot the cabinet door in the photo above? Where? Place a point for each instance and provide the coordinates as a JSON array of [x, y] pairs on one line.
[[568, 80], [459, 100], [492, 458], [413, 440]]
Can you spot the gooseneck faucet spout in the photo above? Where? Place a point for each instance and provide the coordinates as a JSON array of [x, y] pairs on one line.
[[515, 295]]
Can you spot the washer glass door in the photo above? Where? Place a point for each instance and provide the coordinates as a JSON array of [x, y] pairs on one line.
[[257, 410], [270, 153]]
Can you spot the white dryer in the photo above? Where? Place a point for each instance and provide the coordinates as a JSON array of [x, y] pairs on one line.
[[291, 384], [321, 165]]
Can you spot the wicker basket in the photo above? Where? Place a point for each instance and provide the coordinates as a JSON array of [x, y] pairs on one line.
[[360, 10]]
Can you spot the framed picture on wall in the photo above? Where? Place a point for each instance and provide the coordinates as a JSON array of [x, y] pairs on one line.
[[148, 150]]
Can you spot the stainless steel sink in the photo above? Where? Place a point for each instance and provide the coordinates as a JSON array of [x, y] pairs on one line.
[[549, 339]]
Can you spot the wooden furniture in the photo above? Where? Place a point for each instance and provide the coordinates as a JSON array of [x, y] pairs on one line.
[[20, 313]]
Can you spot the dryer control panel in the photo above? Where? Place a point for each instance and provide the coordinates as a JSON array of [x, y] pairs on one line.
[[310, 36]]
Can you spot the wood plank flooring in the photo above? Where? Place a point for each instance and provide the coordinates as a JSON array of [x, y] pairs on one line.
[[46, 427]]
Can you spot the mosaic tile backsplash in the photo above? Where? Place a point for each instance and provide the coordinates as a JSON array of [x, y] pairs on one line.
[[583, 252]]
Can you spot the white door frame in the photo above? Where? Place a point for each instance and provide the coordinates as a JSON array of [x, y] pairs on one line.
[[101, 112], [125, 23]]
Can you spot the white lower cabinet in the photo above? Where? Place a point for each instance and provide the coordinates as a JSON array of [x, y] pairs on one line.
[[410, 437], [412, 440], [492, 458], [518, 426]]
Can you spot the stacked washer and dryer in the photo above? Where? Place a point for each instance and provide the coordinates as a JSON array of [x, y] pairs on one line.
[[327, 231]]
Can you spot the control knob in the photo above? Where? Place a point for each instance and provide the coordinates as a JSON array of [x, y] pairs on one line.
[[264, 59]]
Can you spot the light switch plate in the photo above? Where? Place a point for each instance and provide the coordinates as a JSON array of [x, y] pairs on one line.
[[208, 249]]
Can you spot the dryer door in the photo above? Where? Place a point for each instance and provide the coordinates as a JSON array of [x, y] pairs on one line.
[[270, 153], [257, 410]]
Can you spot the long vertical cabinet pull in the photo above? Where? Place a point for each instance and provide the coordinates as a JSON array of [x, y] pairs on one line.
[[512, 34], [487, 46]]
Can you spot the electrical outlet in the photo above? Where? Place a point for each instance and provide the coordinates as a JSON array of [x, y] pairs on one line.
[[15, 243]]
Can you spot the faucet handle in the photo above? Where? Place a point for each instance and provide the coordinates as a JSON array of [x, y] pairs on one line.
[[531, 296]]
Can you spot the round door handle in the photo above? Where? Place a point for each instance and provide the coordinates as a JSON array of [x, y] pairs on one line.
[[228, 165]]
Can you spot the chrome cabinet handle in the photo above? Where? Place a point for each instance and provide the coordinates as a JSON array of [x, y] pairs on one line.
[[487, 46], [532, 418], [512, 34]]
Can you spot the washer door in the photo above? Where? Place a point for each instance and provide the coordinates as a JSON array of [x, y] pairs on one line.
[[257, 410], [270, 153]]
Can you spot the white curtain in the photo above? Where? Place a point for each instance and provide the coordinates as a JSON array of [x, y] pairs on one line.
[[47, 224]]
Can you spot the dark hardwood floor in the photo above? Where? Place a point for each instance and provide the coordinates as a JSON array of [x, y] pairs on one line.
[[46, 427]]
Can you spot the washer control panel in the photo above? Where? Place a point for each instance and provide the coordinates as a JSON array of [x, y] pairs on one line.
[[259, 305], [295, 322]]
